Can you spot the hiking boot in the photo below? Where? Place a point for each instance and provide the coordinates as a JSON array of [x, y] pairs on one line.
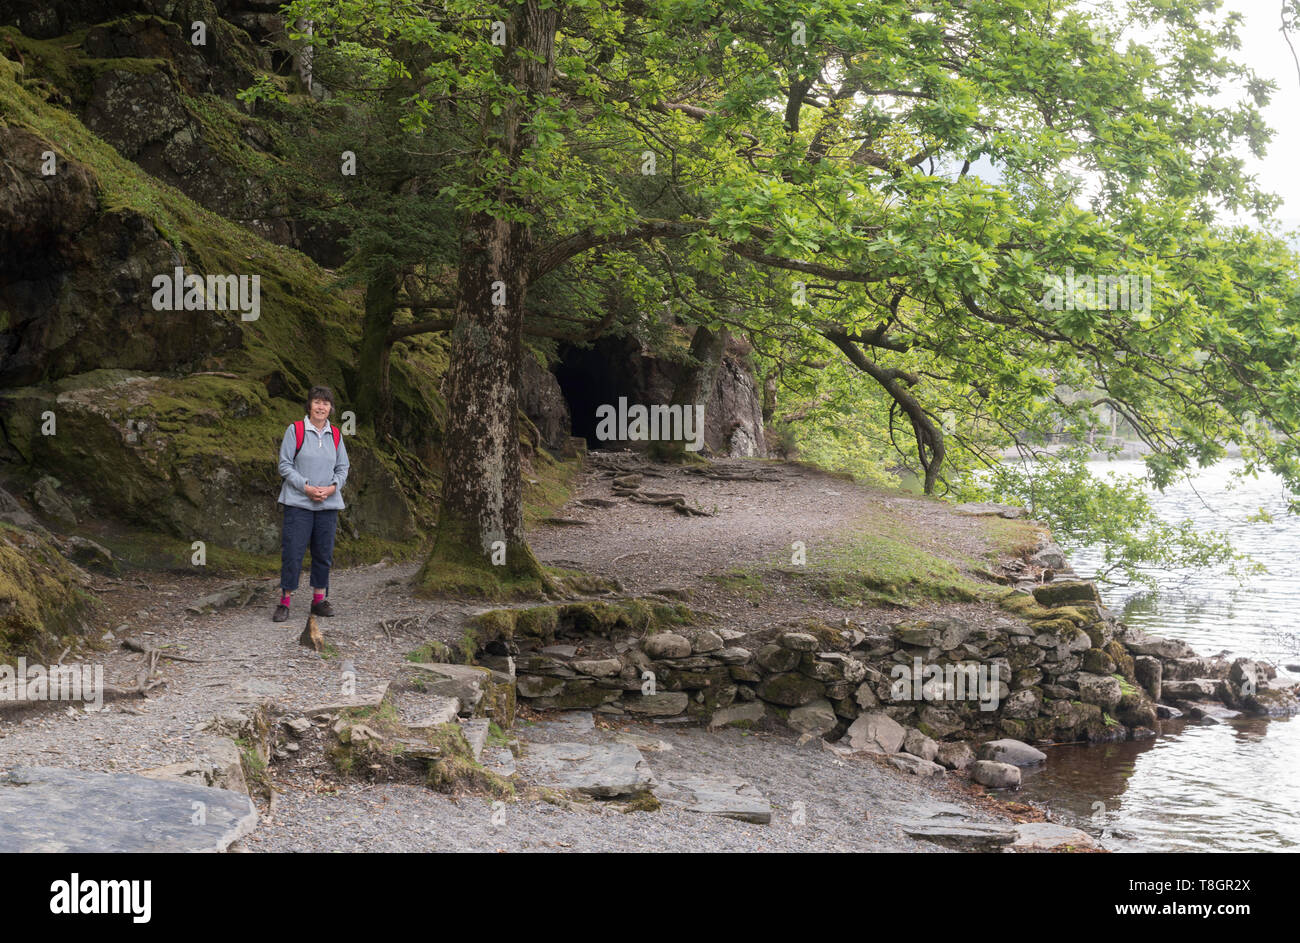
[[322, 608], [281, 613]]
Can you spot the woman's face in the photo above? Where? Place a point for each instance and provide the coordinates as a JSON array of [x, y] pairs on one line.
[[320, 410]]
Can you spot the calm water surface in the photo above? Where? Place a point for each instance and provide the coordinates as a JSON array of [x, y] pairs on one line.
[[1233, 786]]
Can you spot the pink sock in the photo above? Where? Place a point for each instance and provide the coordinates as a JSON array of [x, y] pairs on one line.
[[284, 600], [317, 597]]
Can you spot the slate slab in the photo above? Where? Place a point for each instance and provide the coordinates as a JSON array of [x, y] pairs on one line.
[[61, 810], [716, 795], [594, 769]]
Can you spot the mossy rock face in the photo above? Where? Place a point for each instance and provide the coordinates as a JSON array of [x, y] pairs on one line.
[[191, 453], [1062, 628], [1097, 661], [1013, 728], [1124, 663], [1136, 709], [41, 603]]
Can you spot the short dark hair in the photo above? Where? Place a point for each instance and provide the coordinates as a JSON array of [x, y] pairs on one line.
[[320, 392]]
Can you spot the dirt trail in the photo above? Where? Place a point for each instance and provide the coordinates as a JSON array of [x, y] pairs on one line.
[[243, 657]]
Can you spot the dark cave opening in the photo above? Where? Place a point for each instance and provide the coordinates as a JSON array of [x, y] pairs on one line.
[[596, 375]]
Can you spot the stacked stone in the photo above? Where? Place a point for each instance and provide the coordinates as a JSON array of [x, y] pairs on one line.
[[1066, 670]]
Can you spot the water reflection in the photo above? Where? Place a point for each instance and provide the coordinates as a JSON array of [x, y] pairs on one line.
[[1233, 786]]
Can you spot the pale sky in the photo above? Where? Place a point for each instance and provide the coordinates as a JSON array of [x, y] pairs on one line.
[[1264, 49]]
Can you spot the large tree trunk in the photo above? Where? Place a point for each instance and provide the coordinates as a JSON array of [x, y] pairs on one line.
[[480, 545], [694, 386], [374, 400]]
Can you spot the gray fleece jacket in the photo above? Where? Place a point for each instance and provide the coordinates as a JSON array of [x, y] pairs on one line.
[[317, 464]]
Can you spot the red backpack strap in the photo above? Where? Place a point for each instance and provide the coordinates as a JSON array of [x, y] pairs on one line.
[[299, 434], [337, 435]]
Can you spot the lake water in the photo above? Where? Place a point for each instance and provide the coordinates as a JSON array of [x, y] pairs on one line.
[[1233, 786]]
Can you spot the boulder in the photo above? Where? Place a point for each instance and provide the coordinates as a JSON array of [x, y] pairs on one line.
[[666, 645], [875, 732], [663, 704], [1102, 690], [1097, 661], [798, 641], [1013, 752], [703, 641], [1065, 592], [777, 658], [866, 696], [955, 755], [918, 744], [790, 690], [733, 655], [1050, 556], [816, 718], [1150, 674], [996, 775], [598, 667], [942, 721], [1022, 705]]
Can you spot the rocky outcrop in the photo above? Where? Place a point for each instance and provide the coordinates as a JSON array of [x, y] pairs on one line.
[[75, 286], [164, 419], [542, 401]]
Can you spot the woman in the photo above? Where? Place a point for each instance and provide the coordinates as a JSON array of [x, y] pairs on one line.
[[314, 465]]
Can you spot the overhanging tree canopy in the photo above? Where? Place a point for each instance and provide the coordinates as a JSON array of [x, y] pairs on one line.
[[896, 179]]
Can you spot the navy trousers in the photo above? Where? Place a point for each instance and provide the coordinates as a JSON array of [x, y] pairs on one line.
[[304, 528]]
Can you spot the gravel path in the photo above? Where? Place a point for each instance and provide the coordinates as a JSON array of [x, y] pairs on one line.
[[846, 804]]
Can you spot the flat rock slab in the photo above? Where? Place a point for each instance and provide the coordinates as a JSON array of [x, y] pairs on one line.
[[967, 836], [716, 795], [567, 726], [1047, 836], [365, 697], [594, 769], [438, 711], [59, 810]]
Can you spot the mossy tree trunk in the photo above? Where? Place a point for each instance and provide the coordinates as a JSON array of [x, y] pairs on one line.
[[694, 387], [480, 544]]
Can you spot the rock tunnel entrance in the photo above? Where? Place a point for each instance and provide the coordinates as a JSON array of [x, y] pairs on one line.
[[592, 376]]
